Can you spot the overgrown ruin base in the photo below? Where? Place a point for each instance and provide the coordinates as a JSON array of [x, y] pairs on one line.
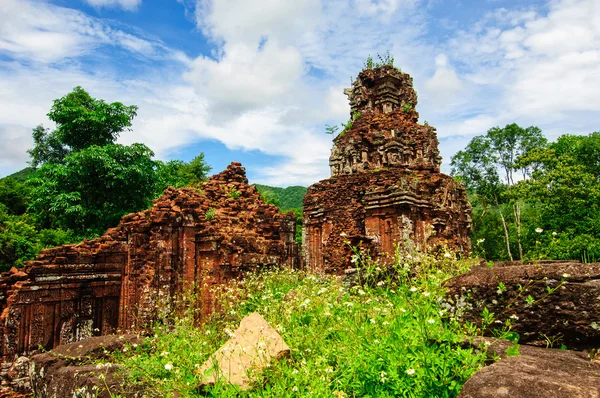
[[190, 238]]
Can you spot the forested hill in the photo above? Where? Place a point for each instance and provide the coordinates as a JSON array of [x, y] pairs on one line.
[[21, 175], [285, 198]]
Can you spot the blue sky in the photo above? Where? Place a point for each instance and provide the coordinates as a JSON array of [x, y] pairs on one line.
[[256, 80]]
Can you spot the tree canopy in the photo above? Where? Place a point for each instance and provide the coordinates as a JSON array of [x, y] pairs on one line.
[[81, 121], [82, 181], [531, 199]]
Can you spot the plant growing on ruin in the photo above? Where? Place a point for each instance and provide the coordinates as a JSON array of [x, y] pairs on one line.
[[407, 107], [210, 214], [232, 192], [385, 59], [331, 129]]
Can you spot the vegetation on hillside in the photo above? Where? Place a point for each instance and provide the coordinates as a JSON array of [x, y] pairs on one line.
[[286, 199], [389, 333]]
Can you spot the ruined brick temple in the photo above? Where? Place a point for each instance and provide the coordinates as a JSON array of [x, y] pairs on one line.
[[385, 186], [190, 237]]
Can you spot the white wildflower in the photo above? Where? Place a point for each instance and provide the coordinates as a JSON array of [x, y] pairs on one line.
[[169, 367], [410, 372], [431, 321], [539, 230]]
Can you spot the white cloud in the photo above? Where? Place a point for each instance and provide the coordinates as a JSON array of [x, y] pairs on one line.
[[125, 4], [279, 67], [15, 139], [248, 21], [383, 8], [38, 31], [246, 77], [444, 84], [527, 67]]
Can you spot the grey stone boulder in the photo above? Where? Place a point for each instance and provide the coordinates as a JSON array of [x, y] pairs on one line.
[[545, 302], [535, 373]]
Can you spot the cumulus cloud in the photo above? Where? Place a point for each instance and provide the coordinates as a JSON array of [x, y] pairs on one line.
[[278, 70], [246, 77], [248, 21], [538, 68], [445, 83]]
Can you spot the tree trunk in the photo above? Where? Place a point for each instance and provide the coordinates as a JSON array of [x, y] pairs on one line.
[[517, 212], [505, 233]]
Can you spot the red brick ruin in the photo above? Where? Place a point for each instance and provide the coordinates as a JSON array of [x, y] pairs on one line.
[[190, 237], [385, 187]]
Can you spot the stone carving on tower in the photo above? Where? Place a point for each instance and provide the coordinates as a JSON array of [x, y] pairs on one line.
[[385, 187]]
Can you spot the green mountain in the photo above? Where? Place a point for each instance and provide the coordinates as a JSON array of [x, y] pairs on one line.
[[285, 198], [21, 175]]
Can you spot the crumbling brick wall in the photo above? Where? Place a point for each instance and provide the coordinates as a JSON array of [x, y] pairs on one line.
[[386, 187], [190, 238]]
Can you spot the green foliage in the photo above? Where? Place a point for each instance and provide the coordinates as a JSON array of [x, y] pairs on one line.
[[499, 208], [15, 195], [345, 126], [22, 175], [385, 59], [382, 340], [210, 214], [407, 107], [177, 174], [565, 187], [81, 121], [94, 188], [20, 240], [285, 198], [331, 129], [196, 171]]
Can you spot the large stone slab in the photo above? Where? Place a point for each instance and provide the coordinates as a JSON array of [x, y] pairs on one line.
[[546, 302], [536, 373], [70, 371], [251, 347]]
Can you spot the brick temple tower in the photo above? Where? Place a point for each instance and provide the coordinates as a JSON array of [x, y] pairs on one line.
[[385, 187]]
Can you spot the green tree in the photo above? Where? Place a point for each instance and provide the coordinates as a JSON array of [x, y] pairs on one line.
[[177, 174], [565, 186], [478, 166], [15, 195], [20, 240], [81, 121], [93, 188]]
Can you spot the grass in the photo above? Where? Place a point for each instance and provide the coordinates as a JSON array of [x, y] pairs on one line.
[[389, 335]]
